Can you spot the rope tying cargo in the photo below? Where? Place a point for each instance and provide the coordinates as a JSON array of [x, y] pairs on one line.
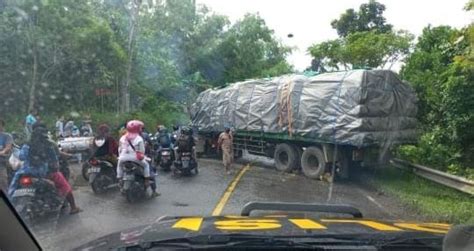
[[285, 107]]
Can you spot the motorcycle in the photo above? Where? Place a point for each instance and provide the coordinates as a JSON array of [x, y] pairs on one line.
[[35, 198], [101, 174], [166, 158], [186, 164], [97, 142], [133, 187]]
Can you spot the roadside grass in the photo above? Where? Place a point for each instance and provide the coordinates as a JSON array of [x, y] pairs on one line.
[[432, 201]]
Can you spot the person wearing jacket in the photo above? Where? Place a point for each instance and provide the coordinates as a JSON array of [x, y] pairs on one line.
[[41, 160], [109, 149]]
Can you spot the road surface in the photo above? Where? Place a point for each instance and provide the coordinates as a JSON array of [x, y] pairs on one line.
[[212, 191]]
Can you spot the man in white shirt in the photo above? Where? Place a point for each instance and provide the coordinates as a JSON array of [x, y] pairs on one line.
[[60, 127]]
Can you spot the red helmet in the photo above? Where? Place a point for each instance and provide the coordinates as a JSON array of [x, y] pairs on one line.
[[134, 126]]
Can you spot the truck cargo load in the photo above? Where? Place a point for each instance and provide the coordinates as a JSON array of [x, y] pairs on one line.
[[359, 108]]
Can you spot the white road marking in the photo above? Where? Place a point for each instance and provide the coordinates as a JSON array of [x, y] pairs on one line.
[[374, 201]]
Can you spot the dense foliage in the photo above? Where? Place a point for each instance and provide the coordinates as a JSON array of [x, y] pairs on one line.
[[441, 69], [121, 56], [368, 18], [365, 40]]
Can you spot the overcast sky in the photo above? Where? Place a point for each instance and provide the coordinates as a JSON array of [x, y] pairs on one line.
[[309, 20]]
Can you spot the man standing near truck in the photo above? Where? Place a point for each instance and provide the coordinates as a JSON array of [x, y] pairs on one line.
[[225, 142]]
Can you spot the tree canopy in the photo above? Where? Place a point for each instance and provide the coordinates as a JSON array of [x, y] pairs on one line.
[[368, 18], [366, 41], [99, 55]]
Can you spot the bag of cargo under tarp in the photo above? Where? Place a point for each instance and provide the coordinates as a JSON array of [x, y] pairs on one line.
[[75, 144], [357, 107]]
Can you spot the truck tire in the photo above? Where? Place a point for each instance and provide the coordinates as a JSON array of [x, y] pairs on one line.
[[312, 162], [238, 154], [285, 157]]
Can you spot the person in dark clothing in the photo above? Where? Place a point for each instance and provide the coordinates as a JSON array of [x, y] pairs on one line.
[[108, 150], [163, 139], [41, 159], [186, 142]]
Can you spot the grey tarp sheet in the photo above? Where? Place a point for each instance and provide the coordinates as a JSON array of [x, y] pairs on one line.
[[358, 107]]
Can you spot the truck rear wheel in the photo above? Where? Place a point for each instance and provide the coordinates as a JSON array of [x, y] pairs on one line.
[[312, 162], [286, 157]]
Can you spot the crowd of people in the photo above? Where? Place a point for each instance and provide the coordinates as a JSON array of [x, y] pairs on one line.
[[63, 127], [40, 155]]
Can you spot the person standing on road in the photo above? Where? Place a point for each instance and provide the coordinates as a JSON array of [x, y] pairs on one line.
[[68, 128], [30, 120], [60, 127], [86, 127], [225, 142], [6, 143]]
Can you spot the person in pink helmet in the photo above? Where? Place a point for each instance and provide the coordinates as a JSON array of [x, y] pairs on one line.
[[131, 147]]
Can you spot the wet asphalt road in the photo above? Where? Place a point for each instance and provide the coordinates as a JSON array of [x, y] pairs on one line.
[[199, 195]]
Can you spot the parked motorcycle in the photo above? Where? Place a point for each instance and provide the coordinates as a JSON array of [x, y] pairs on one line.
[[35, 198], [133, 187], [186, 164], [101, 174]]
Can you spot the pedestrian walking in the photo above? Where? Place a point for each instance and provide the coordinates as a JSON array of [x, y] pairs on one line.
[[6, 143], [225, 142]]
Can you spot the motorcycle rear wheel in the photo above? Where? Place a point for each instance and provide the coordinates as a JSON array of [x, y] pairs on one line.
[[130, 196], [166, 168], [23, 207], [97, 188], [84, 171]]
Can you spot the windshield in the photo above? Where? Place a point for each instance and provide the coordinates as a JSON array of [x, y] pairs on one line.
[[117, 113]]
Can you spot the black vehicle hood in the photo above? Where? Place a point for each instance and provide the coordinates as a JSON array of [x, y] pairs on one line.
[[182, 227]]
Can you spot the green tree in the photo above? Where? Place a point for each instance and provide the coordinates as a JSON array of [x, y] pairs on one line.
[[63, 55], [366, 41], [363, 49], [431, 57], [55, 50], [441, 69], [250, 50], [368, 18]]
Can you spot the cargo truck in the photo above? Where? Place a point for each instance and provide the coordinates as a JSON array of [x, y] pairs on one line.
[[312, 123]]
